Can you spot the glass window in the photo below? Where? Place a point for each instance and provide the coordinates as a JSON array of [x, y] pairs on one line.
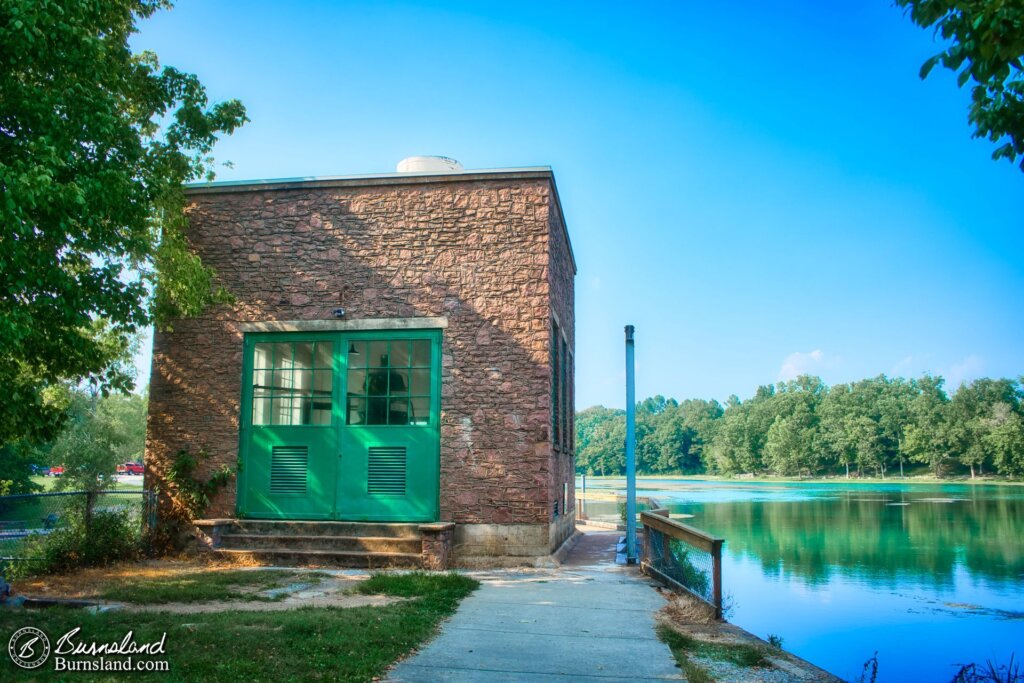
[[389, 382], [292, 383]]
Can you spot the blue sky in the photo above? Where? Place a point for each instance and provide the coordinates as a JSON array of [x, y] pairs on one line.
[[761, 192]]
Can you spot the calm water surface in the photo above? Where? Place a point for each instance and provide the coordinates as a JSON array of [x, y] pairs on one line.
[[928, 575]]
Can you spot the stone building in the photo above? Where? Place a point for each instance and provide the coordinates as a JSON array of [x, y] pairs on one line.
[[397, 364]]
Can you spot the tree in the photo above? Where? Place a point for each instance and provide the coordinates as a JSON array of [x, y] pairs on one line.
[[95, 145], [987, 47], [99, 434], [926, 437], [1004, 436]]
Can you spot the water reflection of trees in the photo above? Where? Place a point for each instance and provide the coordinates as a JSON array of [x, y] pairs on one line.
[[860, 537]]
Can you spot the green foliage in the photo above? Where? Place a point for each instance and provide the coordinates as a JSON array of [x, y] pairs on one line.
[[100, 538], [986, 46], [99, 434], [95, 144], [804, 428], [775, 640], [194, 491], [685, 571], [16, 460]]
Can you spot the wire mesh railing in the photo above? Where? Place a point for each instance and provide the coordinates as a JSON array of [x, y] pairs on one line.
[[683, 557], [24, 517]]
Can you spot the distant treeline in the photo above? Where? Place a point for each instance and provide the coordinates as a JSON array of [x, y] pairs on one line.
[[874, 427]]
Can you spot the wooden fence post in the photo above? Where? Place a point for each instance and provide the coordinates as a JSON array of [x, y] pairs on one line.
[[716, 572]]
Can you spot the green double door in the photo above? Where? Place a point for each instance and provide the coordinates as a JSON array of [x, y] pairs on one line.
[[341, 426]]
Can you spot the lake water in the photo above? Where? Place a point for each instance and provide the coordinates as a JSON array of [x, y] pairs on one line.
[[930, 576]]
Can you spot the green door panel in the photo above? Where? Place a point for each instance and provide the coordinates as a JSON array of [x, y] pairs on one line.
[[341, 426]]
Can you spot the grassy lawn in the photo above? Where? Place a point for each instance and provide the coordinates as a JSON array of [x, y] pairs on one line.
[[202, 586], [686, 648], [49, 482], [347, 644]]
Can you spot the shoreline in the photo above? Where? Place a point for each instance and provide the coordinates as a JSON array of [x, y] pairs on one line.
[[714, 478]]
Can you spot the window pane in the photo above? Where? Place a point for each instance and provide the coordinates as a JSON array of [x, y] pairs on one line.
[[263, 355], [421, 353], [398, 411], [419, 411], [261, 411], [420, 381], [303, 381], [398, 382], [356, 382], [304, 414], [357, 354], [377, 382], [324, 355], [261, 379], [304, 355], [281, 380], [377, 410], [400, 353], [378, 354], [322, 381], [282, 356], [356, 411], [281, 410], [321, 412]]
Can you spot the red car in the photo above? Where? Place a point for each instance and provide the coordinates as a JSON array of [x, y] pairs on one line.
[[57, 471], [130, 468]]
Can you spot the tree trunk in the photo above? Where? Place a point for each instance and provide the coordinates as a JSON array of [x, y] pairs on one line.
[[972, 470], [901, 468], [847, 470]]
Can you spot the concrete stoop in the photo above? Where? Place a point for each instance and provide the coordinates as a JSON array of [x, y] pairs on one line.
[[372, 545]]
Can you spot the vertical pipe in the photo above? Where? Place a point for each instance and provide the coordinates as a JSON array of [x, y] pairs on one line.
[[630, 451]]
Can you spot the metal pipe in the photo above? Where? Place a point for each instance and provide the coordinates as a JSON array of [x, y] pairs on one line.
[[630, 451]]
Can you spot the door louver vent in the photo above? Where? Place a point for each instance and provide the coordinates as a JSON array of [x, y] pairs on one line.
[[386, 470], [288, 467]]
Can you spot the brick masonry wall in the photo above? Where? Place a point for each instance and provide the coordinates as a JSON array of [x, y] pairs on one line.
[[561, 278], [476, 252]]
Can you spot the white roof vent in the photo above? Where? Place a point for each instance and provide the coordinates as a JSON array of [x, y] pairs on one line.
[[428, 164]]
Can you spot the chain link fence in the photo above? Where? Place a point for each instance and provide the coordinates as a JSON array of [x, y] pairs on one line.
[[681, 556], [25, 517]]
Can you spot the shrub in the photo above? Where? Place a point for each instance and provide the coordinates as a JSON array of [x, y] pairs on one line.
[[104, 537]]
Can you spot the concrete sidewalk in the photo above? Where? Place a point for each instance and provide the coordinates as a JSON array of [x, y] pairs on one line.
[[589, 620]]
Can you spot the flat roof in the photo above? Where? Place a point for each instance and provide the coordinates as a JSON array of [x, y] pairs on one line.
[[365, 179], [377, 179]]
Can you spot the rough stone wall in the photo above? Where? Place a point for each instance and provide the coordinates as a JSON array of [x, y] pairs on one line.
[[561, 277], [473, 251]]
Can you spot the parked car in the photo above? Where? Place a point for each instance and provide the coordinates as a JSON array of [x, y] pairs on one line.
[[130, 468], [40, 470], [57, 471]]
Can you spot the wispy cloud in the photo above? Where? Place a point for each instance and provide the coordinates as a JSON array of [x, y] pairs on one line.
[[970, 368], [903, 367], [799, 363]]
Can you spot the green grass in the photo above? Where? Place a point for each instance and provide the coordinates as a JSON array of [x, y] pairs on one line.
[[203, 586], [353, 644], [684, 647]]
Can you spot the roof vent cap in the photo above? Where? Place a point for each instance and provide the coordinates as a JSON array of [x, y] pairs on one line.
[[428, 164]]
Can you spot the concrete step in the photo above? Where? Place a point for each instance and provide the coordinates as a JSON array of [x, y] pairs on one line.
[[374, 544], [310, 528], [324, 558]]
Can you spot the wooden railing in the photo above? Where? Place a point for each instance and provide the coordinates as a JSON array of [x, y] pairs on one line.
[[682, 557]]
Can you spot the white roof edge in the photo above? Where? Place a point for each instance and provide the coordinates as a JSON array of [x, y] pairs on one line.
[[365, 176]]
